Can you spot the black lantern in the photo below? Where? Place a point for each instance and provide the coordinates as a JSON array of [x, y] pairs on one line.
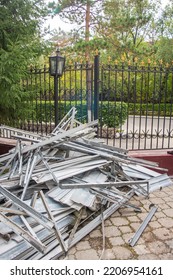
[[56, 68], [56, 64]]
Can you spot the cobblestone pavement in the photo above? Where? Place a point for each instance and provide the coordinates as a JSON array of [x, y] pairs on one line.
[[156, 242]]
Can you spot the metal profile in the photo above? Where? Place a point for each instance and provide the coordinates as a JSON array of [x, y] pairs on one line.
[[29, 210], [142, 227], [28, 237], [76, 172]]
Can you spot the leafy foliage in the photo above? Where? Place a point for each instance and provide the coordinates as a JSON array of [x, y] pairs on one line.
[[20, 45], [110, 114]]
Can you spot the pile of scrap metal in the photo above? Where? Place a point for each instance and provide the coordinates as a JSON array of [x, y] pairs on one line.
[[55, 189]]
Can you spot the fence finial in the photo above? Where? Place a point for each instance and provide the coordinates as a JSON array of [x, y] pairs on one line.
[[116, 61], [123, 58]]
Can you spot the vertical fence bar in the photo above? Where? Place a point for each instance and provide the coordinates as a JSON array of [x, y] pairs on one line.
[[128, 104], [50, 95], [81, 94], [115, 98], [88, 92], [96, 87], [147, 89], [159, 106], [134, 106], [141, 110], [170, 109], [164, 101], [153, 101], [56, 99]]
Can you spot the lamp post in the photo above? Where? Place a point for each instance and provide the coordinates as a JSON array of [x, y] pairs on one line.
[[56, 68]]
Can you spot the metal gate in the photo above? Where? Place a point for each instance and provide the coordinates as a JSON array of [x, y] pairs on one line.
[[133, 102]]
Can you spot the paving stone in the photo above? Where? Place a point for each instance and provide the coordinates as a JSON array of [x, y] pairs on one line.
[[86, 255], [169, 243], [161, 194], [168, 256], [158, 247], [166, 222], [152, 195], [70, 257], [163, 206], [157, 201], [168, 212], [170, 203], [108, 222], [116, 214], [154, 224], [148, 257], [85, 238], [159, 214], [134, 218], [82, 245], [146, 209], [140, 241], [122, 253], [162, 233], [142, 216], [148, 236], [168, 190], [116, 240], [112, 231], [107, 255], [168, 198], [140, 197], [141, 249], [125, 229], [96, 243], [119, 221], [146, 205], [126, 212], [127, 236], [135, 226], [95, 233], [72, 250]]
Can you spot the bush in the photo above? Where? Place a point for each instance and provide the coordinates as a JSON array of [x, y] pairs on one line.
[[150, 109], [111, 114]]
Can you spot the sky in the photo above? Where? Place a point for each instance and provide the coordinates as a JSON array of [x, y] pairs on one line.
[[56, 22]]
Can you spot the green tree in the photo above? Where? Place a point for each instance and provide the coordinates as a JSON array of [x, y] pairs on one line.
[[128, 24], [165, 33], [20, 45], [85, 14]]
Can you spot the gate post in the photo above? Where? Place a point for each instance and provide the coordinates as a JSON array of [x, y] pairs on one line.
[[96, 86]]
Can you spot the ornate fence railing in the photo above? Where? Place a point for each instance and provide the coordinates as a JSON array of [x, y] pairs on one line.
[[133, 102]]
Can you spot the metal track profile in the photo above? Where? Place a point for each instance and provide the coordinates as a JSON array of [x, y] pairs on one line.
[[30, 238], [59, 187], [144, 224], [29, 210]]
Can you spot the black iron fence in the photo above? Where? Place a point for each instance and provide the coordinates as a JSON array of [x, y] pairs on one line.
[[133, 102]]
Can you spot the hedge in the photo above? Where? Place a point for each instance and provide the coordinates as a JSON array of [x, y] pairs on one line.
[[160, 109], [111, 114]]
